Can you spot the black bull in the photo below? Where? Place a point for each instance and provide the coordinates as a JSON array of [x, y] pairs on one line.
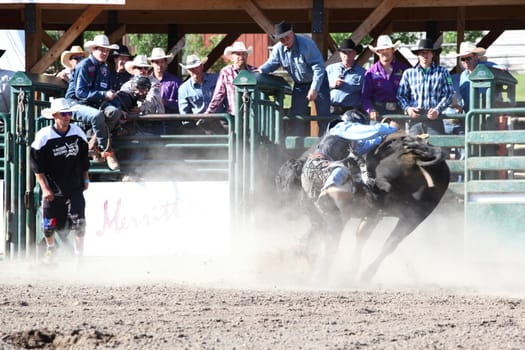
[[411, 178]]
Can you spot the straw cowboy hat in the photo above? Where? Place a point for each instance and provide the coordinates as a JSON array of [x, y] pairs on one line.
[[138, 61], [425, 44], [467, 48], [76, 50], [384, 42], [158, 53], [280, 30], [100, 41], [237, 46], [58, 105], [193, 61], [349, 45]]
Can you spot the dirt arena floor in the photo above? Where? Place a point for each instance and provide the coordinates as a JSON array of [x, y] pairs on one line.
[[425, 296]]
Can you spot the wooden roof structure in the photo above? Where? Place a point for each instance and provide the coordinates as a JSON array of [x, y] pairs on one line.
[[234, 17]]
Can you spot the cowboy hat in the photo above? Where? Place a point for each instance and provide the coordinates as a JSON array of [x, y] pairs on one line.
[[384, 42], [121, 51], [193, 61], [76, 50], [58, 105], [467, 48], [280, 30], [158, 53], [100, 41], [237, 46], [138, 61], [349, 45], [425, 44]]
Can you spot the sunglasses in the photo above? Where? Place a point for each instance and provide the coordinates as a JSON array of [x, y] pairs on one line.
[[77, 58], [142, 68], [466, 59], [66, 114]]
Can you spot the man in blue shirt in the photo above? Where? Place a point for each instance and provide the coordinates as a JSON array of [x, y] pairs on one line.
[[90, 89], [195, 93], [346, 79], [303, 61], [425, 91]]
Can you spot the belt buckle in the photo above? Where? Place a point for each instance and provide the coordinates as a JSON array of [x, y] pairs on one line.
[[391, 106]]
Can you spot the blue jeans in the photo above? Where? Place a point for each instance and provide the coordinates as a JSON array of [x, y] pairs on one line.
[[300, 107], [102, 122]]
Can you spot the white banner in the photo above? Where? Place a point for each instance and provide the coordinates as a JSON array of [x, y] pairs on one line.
[[157, 219]]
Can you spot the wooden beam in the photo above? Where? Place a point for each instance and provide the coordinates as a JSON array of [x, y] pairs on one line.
[[47, 39], [379, 13], [62, 44], [490, 38], [218, 51], [117, 34], [33, 32], [258, 16]]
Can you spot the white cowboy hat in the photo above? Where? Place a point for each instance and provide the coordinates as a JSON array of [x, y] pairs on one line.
[[138, 61], [193, 61], [100, 41], [467, 48], [158, 53], [76, 50], [58, 105], [384, 42], [237, 46]]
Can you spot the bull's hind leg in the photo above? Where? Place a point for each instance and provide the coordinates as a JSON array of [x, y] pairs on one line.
[[401, 231]]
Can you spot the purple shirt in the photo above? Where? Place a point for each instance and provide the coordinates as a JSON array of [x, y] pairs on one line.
[[169, 90], [225, 88], [377, 87]]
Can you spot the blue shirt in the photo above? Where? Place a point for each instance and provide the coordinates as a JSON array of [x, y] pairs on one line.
[[367, 137], [425, 88], [91, 80], [349, 93], [303, 62], [464, 87], [194, 98]]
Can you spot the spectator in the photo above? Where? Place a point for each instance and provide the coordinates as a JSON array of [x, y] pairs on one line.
[[303, 61], [425, 91], [169, 88], [224, 93], [59, 159], [5, 95], [119, 75], [69, 60], [195, 93], [152, 104], [345, 79], [382, 80], [470, 56], [90, 89], [169, 83]]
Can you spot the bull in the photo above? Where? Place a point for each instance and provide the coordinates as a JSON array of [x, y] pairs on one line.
[[411, 177]]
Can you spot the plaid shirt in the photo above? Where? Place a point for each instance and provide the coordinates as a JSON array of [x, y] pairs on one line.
[[425, 89], [225, 88]]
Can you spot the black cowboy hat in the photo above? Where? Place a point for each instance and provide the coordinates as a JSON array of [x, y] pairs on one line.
[[348, 44], [122, 51], [280, 30], [425, 44]]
